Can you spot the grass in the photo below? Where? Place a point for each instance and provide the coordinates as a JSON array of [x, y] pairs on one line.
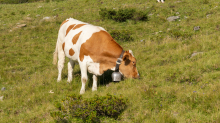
[[174, 87]]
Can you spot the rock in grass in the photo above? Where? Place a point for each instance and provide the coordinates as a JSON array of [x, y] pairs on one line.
[[28, 19], [1, 98], [196, 28], [196, 53], [208, 15], [51, 92], [3, 89], [173, 18], [21, 25], [46, 18]]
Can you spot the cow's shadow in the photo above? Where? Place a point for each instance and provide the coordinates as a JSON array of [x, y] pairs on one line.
[[103, 80]]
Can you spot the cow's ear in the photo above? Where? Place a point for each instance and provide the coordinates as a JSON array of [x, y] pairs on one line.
[[125, 57], [130, 51]]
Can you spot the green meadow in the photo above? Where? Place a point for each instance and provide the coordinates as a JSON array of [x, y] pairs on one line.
[[179, 66]]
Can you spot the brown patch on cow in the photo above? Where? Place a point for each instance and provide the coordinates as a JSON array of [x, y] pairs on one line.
[[103, 49], [75, 38], [71, 52], [78, 26], [69, 28], [63, 23], [63, 46]]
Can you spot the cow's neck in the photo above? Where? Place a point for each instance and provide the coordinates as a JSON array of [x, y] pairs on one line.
[[109, 56]]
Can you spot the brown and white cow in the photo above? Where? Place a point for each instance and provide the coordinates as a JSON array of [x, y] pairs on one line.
[[160, 1], [94, 49]]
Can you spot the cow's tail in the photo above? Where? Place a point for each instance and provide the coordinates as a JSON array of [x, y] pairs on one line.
[[55, 54]]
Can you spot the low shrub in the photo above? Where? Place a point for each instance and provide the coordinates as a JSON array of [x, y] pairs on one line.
[[123, 14], [16, 1], [22, 12], [121, 35], [89, 110], [205, 2], [53, 0], [24, 1], [107, 14]]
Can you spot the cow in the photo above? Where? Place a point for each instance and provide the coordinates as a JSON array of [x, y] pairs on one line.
[[160, 1], [94, 49]]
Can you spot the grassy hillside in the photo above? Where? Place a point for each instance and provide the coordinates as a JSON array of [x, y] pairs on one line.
[[175, 86]]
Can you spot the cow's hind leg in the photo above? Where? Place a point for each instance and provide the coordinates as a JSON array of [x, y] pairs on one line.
[[61, 61], [71, 65], [84, 77], [94, 85]]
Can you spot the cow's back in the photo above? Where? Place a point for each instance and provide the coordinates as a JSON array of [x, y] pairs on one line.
[[73, 34], [67, 24]]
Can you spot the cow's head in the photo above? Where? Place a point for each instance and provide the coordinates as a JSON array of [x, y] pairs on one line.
[[128, 65]]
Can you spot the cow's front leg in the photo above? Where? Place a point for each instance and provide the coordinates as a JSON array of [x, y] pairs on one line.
[[70, 70], [84, 78], [94, 85]]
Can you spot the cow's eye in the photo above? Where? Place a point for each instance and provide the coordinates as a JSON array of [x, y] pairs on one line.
[[133, 63]]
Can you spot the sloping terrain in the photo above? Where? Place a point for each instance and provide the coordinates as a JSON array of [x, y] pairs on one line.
[[178, 60]]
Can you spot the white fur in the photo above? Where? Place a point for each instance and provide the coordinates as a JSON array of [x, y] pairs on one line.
[[71, 65], [94, 85], [130, 51]]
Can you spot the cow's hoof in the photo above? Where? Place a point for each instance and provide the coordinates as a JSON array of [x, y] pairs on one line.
[[94, 89], [69, 80], [58, 80], [82, 92]]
